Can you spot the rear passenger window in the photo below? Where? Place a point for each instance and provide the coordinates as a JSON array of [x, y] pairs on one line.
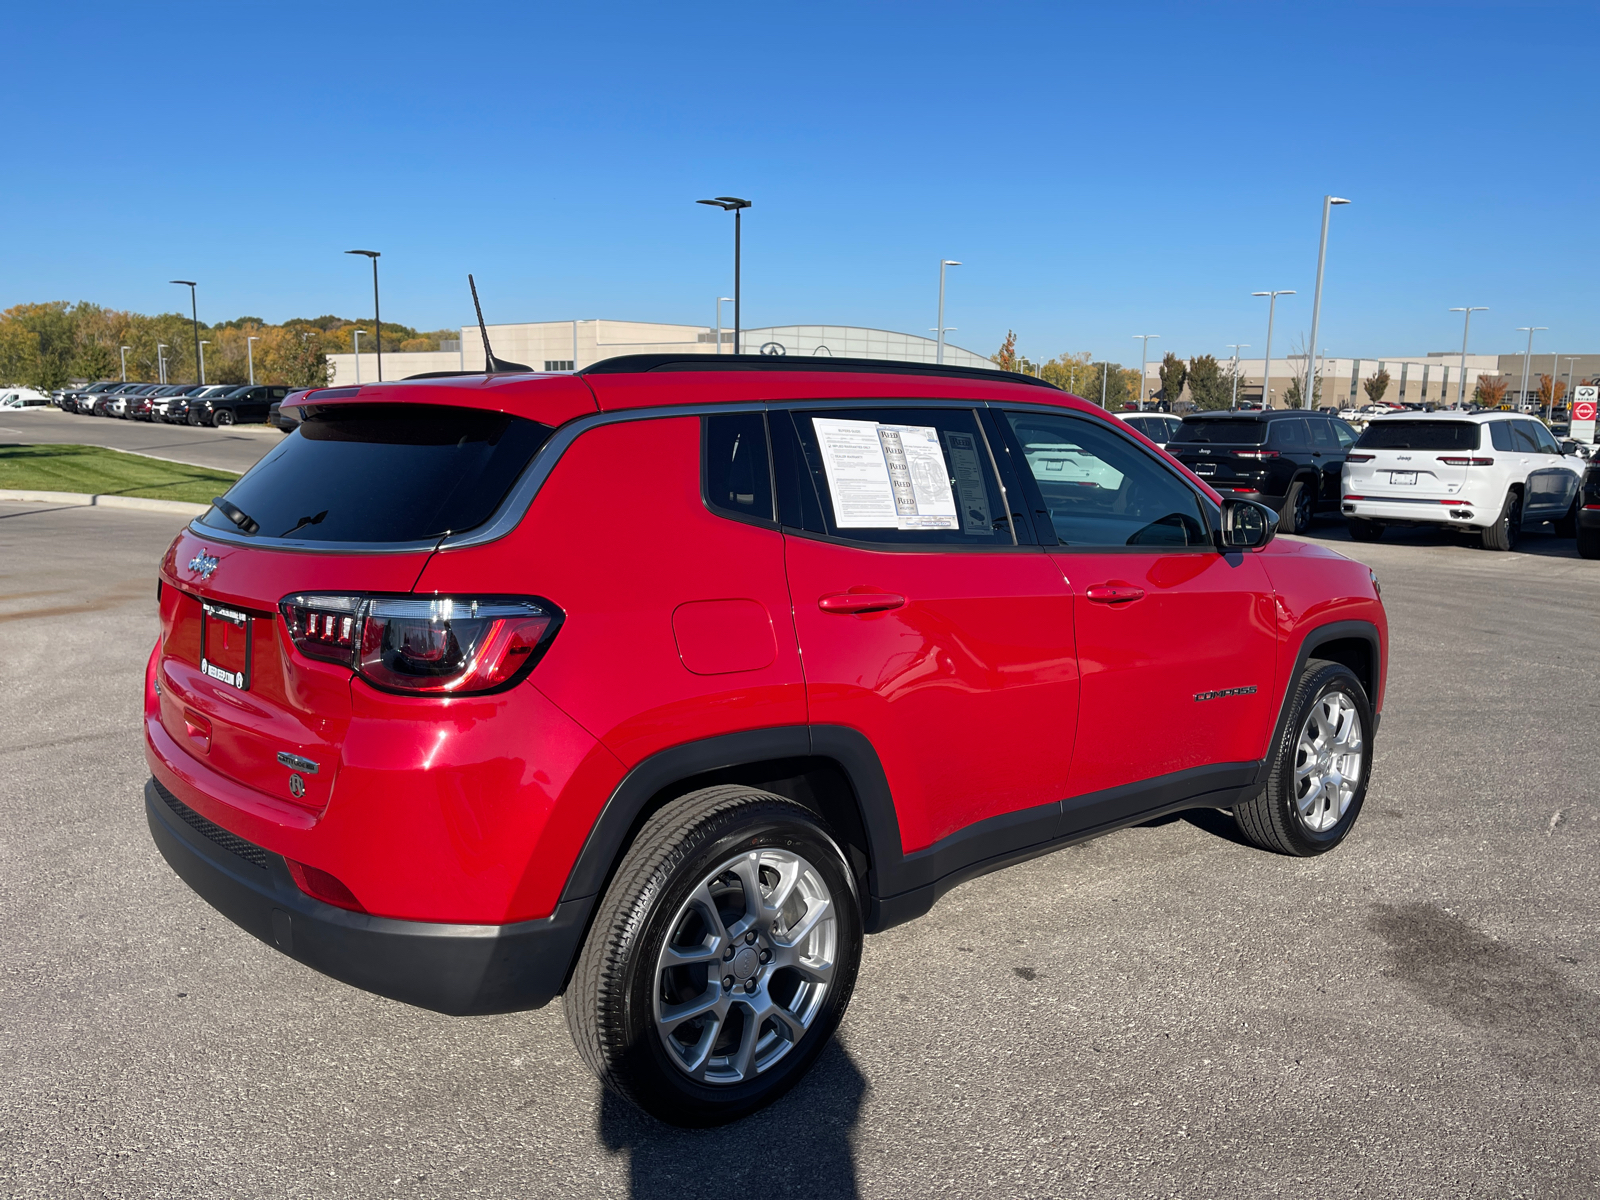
[[1102, 490], [1287, 434], [738, 474], [904, 476]]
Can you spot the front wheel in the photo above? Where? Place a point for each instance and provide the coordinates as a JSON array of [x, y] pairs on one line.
[[1506, 532], [221, 417], [1319, 768], [721, 957], [194, 417]]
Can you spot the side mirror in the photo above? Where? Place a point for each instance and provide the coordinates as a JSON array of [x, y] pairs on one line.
[[1568, 446], [1246, 525]]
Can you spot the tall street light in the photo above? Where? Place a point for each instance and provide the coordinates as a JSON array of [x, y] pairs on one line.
[[736, 206], [938, 354], [1570, 361], [194, 317], [377, 320], [125, 350], [1236, 347], [1266, 364], [1308, 396], [1466, 328], [161, 363], [250, 356], [203, 346], [721, 300], [1144, 356], [1527, 361], [356, 338]]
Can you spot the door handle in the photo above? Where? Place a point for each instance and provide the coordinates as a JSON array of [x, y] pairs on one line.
[[1114, 593], [850, 603]]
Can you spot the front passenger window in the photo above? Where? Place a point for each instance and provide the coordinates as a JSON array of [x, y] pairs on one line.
[[1102, 490]]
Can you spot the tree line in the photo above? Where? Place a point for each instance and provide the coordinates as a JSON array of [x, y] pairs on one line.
[[50, 345]]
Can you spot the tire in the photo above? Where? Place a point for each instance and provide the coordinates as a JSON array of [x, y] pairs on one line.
[[221, 417], [1298, 505], [1567, 526], [1328, 710], [1589, 543], [1363, 530], [194, 418], [683, 1069], [1506, 532]]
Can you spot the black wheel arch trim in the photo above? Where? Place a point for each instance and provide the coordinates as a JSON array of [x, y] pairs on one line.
[[1321, 635]]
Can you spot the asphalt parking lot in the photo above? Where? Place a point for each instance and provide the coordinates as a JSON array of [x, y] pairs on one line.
[[1161, 1012], [236, 448]]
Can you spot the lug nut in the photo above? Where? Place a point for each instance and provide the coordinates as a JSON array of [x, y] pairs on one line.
[[766, 956], [727, 982], [727, 954], [749, 985], [750, 938]]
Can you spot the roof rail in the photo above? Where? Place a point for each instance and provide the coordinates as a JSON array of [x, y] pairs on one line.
[[639, 364]]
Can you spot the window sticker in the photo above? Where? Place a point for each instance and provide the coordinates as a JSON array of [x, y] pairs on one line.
[[963, 448], [885, 476]]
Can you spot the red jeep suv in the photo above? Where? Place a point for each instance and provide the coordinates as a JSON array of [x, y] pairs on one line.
[[661, 684]]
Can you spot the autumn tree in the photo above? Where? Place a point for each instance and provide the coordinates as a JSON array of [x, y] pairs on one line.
[[1173, 375], [1491, 391], [1375, 385], [1074, 373], [1551, 392], [1006, 357]]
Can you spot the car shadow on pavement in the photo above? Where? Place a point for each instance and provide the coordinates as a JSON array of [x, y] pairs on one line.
[[798, 1147], [1215, 821], [1540, 540]]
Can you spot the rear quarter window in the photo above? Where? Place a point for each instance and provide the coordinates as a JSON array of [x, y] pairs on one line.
[[384, 473]]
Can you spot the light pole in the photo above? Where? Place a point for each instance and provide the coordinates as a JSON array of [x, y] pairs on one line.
[[1527, 362], [1466, 328], [202, 348], [250, 356], [721, 300], [356, 338], [1266, 363], [194, 317], [1144, 356], [377, 319], [1555, 370], [736, 206], [1105, 378], [1307, 396], [124, 357], [938, 354], [161, 362], [1570, 360], [1236, 347]]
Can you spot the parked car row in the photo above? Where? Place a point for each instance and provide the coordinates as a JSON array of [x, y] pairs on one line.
[[216, 404]]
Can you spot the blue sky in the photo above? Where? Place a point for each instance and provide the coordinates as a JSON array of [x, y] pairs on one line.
[[1101, 170]]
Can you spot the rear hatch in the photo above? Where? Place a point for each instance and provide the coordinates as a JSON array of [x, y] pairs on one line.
[[1227, 452], [351, 504], [1414, 459]]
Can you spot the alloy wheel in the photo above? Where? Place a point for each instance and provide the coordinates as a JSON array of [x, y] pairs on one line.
[[746, 965], [1327, 761], [1302, 510]]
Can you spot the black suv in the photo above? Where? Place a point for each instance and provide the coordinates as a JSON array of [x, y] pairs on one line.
[[240, 406], [1291, 460]]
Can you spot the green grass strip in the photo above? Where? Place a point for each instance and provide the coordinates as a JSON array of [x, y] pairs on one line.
[[94, 469]]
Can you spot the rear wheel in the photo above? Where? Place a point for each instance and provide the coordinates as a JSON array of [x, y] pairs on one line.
[[1506, 532], [1362, 530], [1319, 769], [223, 416], [1295, 515], [721, 957]]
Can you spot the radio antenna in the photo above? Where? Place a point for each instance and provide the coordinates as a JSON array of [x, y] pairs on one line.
[[491, 364]]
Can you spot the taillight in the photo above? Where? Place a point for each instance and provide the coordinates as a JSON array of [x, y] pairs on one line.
[[1255, 454], [1454, 461], [1359, 457], [436, 645]]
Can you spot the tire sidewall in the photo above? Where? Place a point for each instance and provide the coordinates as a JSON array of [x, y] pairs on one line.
[[658, 1083], [222, 418], [1317, 684]]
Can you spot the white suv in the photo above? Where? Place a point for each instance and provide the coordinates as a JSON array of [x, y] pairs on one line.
[[1492, 472]]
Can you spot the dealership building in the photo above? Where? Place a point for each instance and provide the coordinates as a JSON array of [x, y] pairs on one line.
[[574, 345]]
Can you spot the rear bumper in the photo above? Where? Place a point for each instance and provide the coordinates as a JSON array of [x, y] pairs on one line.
[[1422, 512], [456, 969]]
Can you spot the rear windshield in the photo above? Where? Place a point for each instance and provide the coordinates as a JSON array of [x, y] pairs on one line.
[[1232, 432], [1419, 435], [384, 473]]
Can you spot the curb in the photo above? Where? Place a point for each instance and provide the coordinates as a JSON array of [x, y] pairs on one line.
[[86, 500]]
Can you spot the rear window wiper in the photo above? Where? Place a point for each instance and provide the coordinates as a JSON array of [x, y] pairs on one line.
[[304, 521], [235, 514]]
